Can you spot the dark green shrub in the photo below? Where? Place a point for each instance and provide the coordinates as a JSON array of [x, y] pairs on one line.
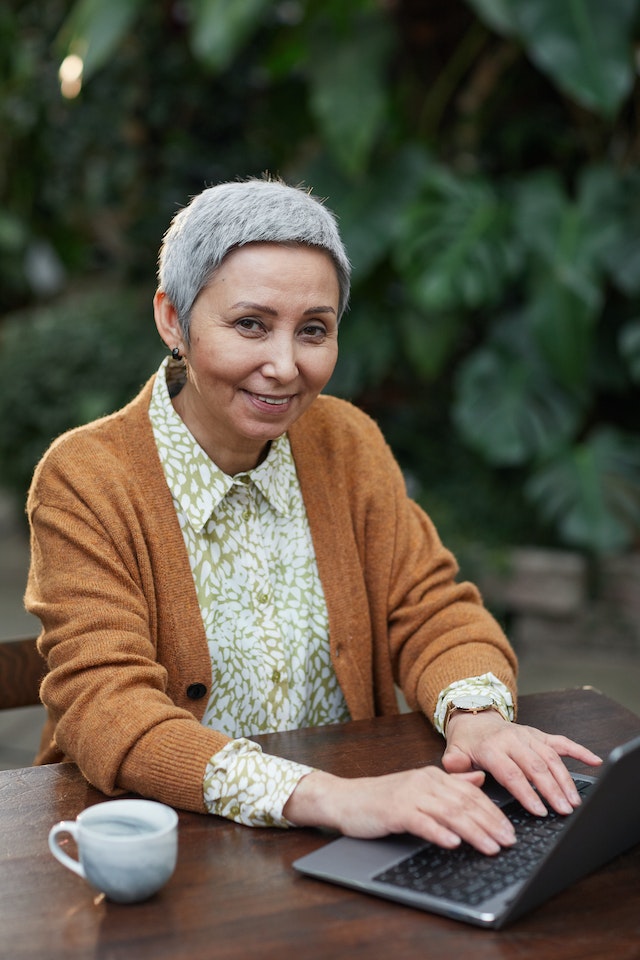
[[66, 363]]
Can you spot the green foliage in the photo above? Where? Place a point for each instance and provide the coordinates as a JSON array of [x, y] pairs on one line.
[[592, 491], [71, 361], [94, 29], [585, 46], [219, 29], [349, 99], [630, 348], [453, 248], [564, 286], [484, 167], [509, 406]]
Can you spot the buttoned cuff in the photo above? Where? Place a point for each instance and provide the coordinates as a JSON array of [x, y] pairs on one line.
[[244, 784]]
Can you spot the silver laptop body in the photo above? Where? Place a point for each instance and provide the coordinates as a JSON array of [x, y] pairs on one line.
[[606, 824]]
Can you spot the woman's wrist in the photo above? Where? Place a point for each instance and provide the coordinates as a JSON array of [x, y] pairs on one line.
[[482, 720], [314, 801]]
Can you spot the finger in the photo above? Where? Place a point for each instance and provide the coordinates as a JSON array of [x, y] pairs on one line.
[[467, 812], [536, 773], [553, 781], [509, 773], [569, 748], [476, 777], [486, 832], [428, 828], [541, 763], [455, 760]]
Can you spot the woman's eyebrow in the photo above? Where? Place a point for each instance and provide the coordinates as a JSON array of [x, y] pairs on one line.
[[249, 305], [319, 310]]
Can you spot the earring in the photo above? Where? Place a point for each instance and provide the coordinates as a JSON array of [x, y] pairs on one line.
[[175, 353]]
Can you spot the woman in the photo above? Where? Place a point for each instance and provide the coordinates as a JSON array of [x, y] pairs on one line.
[[232, 554]]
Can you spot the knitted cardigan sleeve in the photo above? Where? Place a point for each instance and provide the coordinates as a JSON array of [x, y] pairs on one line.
[[398, 615], [121, 628]]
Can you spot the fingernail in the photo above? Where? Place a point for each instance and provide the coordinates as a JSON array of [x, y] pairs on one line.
[[490, 846]]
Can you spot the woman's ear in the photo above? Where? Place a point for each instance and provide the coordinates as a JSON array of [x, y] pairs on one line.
[[166, 317]]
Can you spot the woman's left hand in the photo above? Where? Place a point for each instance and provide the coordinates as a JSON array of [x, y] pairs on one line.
[[519, 757]]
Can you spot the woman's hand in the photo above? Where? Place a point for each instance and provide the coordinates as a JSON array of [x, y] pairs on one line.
[[519, 758], [427, 802]]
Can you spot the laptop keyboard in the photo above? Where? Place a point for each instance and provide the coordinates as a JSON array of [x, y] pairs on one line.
[[465, 875]]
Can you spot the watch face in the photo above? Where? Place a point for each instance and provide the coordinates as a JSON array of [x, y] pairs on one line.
[[475, 701]]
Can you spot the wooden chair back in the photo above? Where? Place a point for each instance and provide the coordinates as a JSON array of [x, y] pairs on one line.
[[21, 671]]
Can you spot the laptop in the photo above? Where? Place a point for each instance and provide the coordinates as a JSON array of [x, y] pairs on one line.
[[549, 854]]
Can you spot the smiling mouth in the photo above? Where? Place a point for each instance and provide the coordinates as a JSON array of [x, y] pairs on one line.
[[272, 401]]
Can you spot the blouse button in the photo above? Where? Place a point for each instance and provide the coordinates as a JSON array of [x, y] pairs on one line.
[[246, 515], [275, 676], [196, 691]]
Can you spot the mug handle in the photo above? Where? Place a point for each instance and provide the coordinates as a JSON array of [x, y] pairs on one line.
[[65, 826]]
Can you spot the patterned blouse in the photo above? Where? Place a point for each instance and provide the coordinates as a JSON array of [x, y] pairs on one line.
[[264, 614], [263, 609]]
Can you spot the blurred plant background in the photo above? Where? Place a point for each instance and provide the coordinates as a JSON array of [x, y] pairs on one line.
[[482, 156]]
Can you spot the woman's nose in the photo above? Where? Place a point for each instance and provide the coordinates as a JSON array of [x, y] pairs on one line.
[[280, 362]]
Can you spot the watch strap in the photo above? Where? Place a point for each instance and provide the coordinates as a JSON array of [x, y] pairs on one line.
[[453, 707]]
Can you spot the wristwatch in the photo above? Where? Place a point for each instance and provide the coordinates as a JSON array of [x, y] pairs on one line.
[[472, 703]]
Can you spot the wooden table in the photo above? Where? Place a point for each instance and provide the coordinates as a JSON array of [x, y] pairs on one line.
[[235, 895]]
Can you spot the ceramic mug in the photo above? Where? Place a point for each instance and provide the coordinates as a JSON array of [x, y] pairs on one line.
[[127, 848]]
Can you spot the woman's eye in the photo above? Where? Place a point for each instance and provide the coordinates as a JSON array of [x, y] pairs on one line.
[[249, 325], [314, 331]]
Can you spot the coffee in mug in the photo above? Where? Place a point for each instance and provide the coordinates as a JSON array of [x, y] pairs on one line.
[[127, 848]]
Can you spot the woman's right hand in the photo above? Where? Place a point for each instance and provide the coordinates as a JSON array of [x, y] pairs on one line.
[[440, 807]]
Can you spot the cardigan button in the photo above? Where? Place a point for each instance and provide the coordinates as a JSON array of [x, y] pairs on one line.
[[196, 691]]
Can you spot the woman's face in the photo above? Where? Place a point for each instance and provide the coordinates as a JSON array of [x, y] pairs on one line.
[[264, 343]]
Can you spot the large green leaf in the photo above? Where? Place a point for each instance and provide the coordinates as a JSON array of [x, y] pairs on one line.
[[219, 28], [608, 214], [368, 349], [13, 232], [629, 342], [428, 341], [507, 406], [585, 46], [94, 29], [621, 254], [500, 15], [349, 89], [565, 277], [565, 331], [551, 223], [455, 246], [371, 208], [567, 235], [591, 493]]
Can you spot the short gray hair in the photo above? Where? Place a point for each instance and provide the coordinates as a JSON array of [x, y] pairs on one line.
[[229, 215]]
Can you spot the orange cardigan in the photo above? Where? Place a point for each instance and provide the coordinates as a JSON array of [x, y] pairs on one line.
[[121, 627]]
